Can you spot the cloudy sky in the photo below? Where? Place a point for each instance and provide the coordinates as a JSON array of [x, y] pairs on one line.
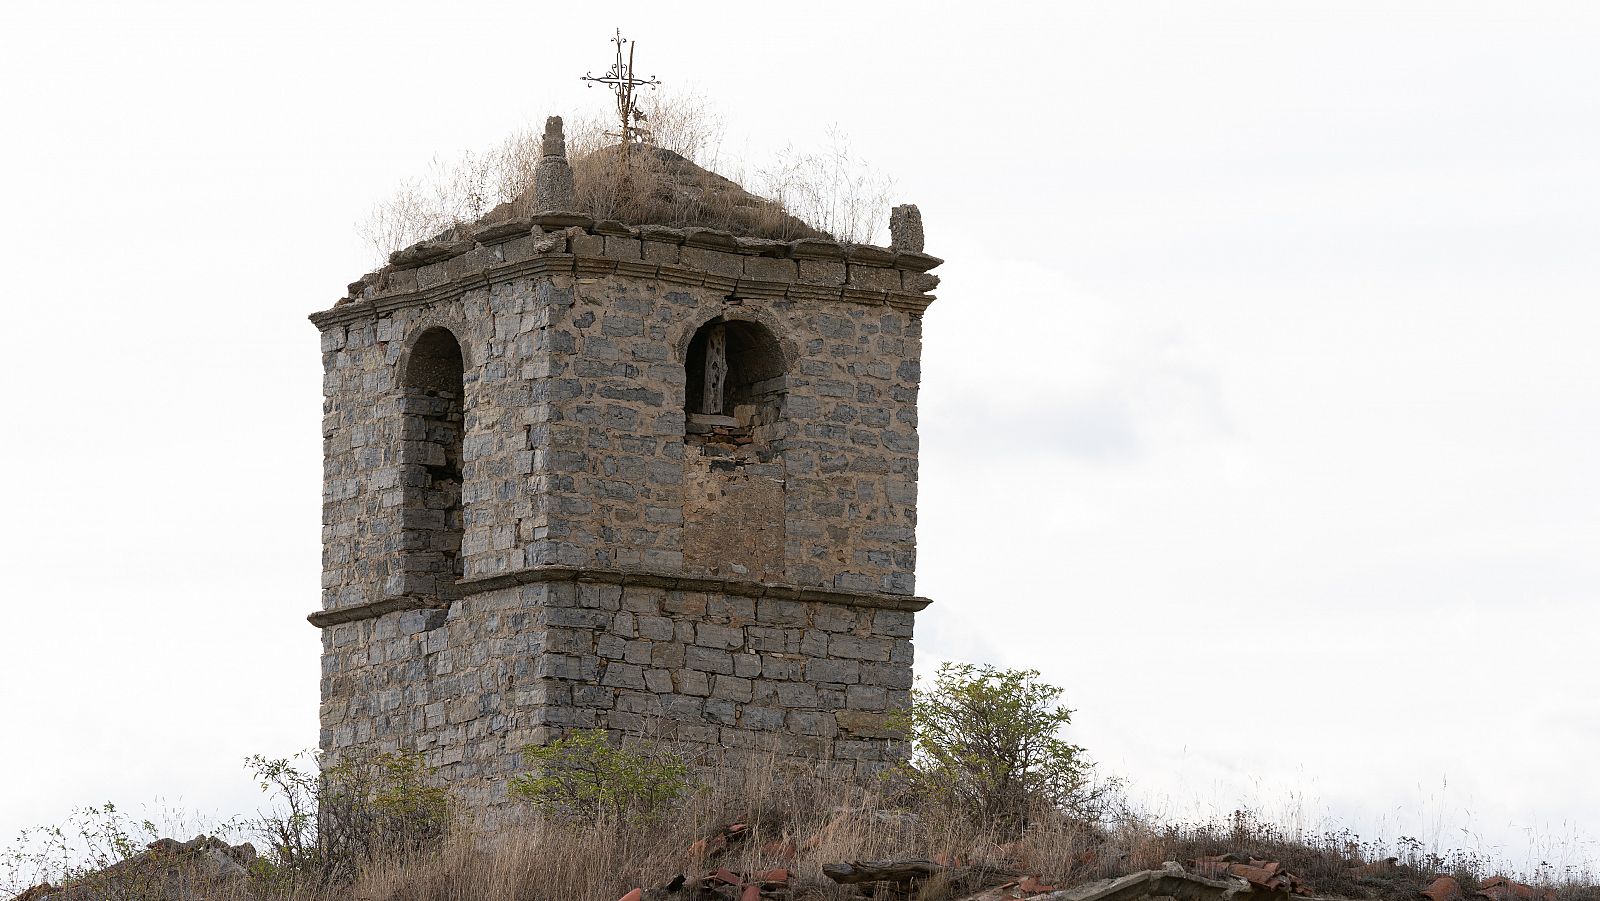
[[1261, 405]]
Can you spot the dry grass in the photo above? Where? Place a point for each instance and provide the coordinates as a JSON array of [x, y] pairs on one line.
[[600, 860], [797, 822], [603, 859], [658, 186], [667, 181]]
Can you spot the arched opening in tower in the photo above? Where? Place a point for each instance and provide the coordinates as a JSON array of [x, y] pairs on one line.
[[734, 475], [734, 384], [432, 406]]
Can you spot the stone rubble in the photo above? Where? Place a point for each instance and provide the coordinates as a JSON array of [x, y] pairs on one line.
[[168, 870]]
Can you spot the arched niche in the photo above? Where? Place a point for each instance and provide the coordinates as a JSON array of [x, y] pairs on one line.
[[734, 382], [433, 411]]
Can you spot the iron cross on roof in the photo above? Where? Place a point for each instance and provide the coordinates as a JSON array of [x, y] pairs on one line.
[[622, 82]]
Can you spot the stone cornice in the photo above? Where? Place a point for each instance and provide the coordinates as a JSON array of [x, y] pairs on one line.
[[435, 271], [598, 267], [775, 591], [355, 310]]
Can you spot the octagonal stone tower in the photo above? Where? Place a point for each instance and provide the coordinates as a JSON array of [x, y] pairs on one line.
[[585, 474]]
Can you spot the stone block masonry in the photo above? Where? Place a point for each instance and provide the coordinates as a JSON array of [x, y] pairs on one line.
[[723, 672], [579, 474]]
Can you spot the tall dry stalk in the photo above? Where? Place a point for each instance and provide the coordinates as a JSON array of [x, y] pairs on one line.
[[669, 180], [832, 189]]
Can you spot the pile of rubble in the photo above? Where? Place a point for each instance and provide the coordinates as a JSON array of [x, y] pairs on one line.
[[167, 868], [905, 880], [207, 866], [1221, 877], [1495, 888]]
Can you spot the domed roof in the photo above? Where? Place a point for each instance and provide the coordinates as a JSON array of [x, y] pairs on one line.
[[660, 187]]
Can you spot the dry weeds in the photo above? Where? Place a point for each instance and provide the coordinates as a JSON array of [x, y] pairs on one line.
[[667, 181], [799, 823]]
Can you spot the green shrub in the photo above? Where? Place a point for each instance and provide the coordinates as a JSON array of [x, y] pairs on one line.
[[583, 774], [327, 824], [987, 743]]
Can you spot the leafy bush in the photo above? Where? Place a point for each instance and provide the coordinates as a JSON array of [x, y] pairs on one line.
[[583, 773], [988, 742], [327, 825]]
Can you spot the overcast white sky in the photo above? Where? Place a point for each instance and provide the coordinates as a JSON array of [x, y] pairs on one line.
[[1261, 405]]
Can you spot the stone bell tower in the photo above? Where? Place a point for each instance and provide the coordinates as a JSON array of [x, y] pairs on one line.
[[582, 473]]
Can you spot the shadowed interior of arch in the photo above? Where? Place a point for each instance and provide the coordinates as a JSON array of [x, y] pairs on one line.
[[734, 381], [433, 418]]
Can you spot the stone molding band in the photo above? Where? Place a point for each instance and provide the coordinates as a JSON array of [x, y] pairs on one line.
[[598, 267], [322, 619]]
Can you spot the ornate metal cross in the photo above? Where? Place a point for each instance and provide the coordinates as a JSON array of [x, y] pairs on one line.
[[622, 82]]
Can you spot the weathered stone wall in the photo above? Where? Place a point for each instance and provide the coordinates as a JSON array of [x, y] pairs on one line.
[[727, 670], [734, 517], [575, 454], [367, 462], [718, 672], [844, 450], [456, 686], [619, 569]]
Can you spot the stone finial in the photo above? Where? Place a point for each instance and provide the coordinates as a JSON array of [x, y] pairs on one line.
[[552, 176], [905, 228], [555, 140]]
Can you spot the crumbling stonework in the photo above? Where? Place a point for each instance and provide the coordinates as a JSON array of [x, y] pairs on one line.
[[905, 228], [580, 474]]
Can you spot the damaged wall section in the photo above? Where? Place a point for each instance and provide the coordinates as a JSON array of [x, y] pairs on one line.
[[733, 486], [733, 516]]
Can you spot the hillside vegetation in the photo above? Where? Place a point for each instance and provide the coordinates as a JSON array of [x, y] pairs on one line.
[[992, 802]]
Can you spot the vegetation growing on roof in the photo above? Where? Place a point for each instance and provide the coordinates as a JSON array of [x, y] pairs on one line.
[[668, 181]]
